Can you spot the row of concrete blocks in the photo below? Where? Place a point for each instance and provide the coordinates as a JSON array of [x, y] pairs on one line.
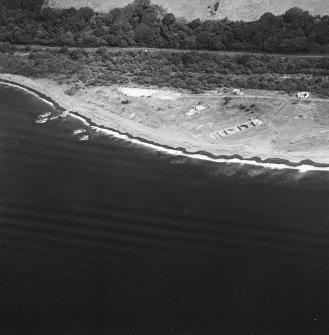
[[235, 129]]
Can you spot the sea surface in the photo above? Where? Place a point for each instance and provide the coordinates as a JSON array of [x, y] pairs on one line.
[[109, 237]]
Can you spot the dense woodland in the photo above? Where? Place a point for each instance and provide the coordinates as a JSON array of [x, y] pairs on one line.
[[142, 23], [34, 5], [192, 71]]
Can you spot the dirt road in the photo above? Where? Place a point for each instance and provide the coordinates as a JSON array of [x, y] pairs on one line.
[[155, 50]]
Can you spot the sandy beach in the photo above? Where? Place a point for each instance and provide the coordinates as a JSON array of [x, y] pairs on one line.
[[291, 129]]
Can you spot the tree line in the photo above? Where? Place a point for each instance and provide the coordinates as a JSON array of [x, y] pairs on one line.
[[142, 23], [34, 5]]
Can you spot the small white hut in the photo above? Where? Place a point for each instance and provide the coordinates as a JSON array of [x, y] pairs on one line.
[[200, 108], [237, 91], [303, 95]]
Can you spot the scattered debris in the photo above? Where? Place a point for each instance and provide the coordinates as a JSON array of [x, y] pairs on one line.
[[195, 110]]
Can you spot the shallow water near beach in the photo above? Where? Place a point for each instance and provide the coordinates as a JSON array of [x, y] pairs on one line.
[[109, 237]]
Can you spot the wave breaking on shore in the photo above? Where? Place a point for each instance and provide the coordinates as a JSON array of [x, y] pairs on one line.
[[279, 164], [303, 168]]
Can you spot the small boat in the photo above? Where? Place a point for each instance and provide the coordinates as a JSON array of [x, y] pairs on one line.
[[84, 138], [45, 115], [55, 117], [79, 131], [44, 120], [64, 114]]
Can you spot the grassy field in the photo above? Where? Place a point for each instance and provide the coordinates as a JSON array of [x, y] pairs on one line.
[[250, 10], [246, 10], [190, 9]]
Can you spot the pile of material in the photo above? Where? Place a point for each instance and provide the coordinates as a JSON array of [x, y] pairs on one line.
[[195, 110]]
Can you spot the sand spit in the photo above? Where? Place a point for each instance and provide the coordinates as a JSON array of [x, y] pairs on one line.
[[103, 106]]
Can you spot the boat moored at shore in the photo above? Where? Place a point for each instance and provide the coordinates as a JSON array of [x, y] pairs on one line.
[[84, 138], [54, 117], [79, 131], [43, 120], [64, 114], [44, 115]]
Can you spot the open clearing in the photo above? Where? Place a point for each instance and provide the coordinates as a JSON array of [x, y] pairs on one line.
[[246, 10], [291, 128]]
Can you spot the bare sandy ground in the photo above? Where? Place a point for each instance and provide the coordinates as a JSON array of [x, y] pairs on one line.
[[138, 92], [292, 129]]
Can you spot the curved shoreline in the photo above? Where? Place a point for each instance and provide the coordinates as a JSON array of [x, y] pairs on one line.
[[272, 163]]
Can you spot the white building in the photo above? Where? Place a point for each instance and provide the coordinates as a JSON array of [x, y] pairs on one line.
[[303, 95], [237, 91], [200, 108]]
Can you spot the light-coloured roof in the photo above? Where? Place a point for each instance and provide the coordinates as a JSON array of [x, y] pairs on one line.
[[200, 108]]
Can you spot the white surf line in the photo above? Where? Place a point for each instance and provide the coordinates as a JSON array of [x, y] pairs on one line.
[[27, 90], [175, 152], [80, 118]]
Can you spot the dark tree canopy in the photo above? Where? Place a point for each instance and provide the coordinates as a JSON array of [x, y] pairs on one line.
[[22, 4], [142, 23]]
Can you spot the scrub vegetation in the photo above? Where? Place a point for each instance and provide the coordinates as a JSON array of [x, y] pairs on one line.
[[195, 71]]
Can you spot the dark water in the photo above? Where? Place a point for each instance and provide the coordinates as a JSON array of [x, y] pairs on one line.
[[106, 237]]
